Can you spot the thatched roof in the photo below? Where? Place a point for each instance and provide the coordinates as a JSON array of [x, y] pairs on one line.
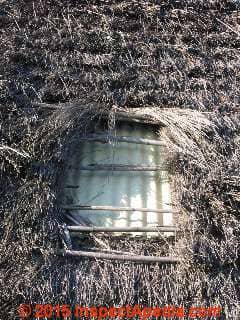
[[63, 65], [131, 53]]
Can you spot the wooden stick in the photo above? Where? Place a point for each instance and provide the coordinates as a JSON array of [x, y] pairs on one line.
[[108, 138], [120, 167], [133, 258], [67, 237], [110, 208], [71, 187], [109, 251], [123, 229]]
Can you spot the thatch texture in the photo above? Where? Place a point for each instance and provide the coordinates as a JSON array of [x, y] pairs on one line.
[[65, 65]]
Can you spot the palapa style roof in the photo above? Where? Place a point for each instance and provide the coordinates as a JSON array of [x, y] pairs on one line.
[[66, 64]]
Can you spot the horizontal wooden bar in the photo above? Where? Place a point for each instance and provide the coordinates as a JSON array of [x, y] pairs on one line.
[[120, 167], [71, 187], [111, 208], [94, 249], [108, 138], [123, 229], [132, 258]]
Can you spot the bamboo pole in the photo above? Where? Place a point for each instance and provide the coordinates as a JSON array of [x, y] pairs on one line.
[[132, 258], [111, 208], [107, 138], [120, 167], [122, 229]]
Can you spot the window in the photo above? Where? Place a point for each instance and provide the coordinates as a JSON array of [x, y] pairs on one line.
[[118, 181]]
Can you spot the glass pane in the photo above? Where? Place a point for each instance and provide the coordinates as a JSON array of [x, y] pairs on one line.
[[139, 189]]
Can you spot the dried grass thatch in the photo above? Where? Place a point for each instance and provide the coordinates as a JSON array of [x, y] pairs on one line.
[[64, 66]]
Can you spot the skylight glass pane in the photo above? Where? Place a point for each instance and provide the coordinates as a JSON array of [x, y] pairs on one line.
[[138, 189]]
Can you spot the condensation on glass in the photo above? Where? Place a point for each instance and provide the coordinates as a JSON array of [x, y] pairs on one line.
[[138, 189]]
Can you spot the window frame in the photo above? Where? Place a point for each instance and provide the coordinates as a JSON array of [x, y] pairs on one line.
[[93, 229]]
